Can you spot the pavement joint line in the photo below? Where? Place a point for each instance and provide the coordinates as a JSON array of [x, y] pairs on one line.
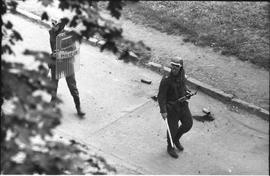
[[211, 91], [124, 163], [121, 117], [247, 126]]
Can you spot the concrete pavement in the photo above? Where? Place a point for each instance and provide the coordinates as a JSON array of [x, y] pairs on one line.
[[208, 89], [124, 123]]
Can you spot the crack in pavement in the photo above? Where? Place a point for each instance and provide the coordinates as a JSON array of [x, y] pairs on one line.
[[130, 112], [249, 127]]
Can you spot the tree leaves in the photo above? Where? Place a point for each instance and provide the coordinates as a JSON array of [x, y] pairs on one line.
[[115, 7], [8, 25], [12, 38], [34, 116], [17, 36], [46, 2], [44, 16], [6, 50], [12, 5], [3, 8]]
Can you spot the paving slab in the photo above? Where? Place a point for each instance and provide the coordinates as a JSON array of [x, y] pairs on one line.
[[123, 122]]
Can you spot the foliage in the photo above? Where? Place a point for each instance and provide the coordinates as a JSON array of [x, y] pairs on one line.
[[235, 28], [27, 144]]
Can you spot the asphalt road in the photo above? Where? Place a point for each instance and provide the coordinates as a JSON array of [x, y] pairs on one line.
[[123, 123]]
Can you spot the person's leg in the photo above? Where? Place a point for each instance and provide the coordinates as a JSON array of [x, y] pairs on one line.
[[71, 82], [186, 124], [55, 82], [173, 125]]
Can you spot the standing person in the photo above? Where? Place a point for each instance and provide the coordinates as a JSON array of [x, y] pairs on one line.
[[173, 87], [57, 28]]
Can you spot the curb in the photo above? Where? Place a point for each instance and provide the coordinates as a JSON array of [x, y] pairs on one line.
[[211, 91], [215, 93]]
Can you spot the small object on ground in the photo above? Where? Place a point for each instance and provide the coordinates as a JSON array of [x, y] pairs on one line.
[[72, 142], [132, 54], [206, 111], [146, 81]]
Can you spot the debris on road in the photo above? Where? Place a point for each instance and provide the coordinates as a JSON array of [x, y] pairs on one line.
[[146, 81], [206, 111]]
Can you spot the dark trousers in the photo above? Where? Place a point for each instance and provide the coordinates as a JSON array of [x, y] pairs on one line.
[[178, 113], [71, 82]]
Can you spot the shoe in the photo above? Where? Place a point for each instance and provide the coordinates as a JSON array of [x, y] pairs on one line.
[[80, 112], [179, 146], [172, 152]]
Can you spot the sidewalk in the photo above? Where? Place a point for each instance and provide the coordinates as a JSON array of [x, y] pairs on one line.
[[226, 78], [232, 81], [124, 123]]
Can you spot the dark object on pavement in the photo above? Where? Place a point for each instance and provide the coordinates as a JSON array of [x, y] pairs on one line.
[[73, 142], [203, 118], [146, 81]]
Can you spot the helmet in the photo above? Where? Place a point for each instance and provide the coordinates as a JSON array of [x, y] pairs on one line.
[[178, 61]]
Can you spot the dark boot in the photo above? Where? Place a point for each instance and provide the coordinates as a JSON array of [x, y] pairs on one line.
[[179, 146], [78, 106], [172, 152], [79, 111]]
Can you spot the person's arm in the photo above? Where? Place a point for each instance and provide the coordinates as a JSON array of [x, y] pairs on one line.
[[51, 42], [186, 89], [162, 95], [52, 45]]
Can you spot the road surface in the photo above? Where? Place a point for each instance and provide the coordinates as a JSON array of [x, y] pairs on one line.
[[123, 123]]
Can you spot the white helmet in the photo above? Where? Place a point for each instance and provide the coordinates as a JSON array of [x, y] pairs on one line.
[[177, 61]]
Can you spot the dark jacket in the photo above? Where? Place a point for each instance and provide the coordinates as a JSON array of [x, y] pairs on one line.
[[171, 88]]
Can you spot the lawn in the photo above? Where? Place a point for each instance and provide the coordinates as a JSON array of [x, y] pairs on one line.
[[238, 28]]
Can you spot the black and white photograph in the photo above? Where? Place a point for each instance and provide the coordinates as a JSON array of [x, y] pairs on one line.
[[135, 87]]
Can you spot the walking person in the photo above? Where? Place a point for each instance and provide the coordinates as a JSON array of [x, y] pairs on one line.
[[57, 28], [173, 87]]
